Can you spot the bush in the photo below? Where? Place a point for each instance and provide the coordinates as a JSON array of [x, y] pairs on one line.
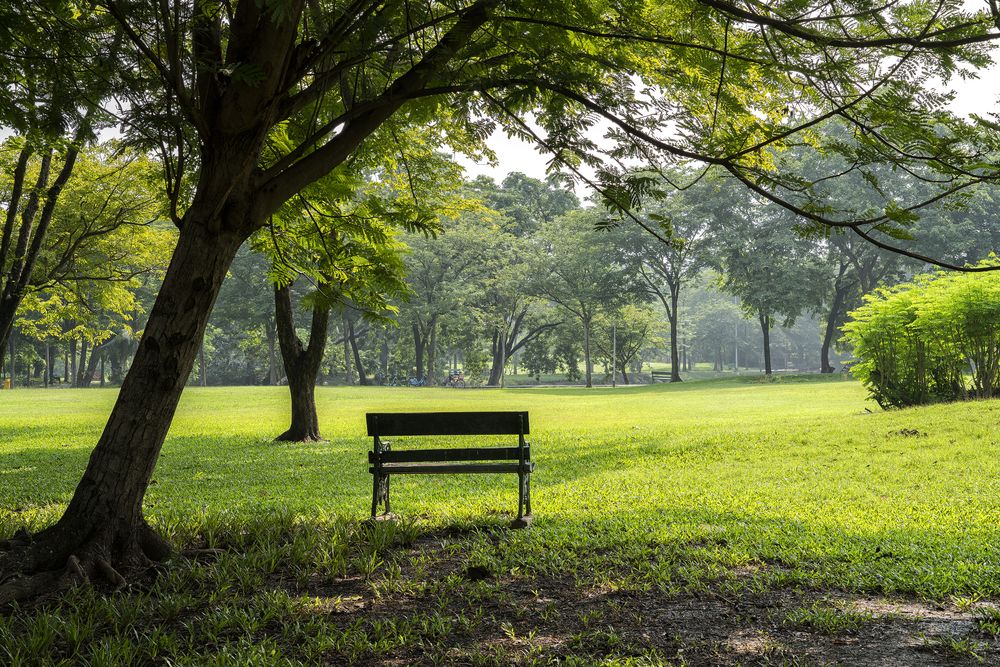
[[934, 339]]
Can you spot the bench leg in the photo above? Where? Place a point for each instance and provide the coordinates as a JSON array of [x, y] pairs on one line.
[[380, 493], [524, 517]]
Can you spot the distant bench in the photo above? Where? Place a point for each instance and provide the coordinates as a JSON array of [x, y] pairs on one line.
[[385, 461], [660, 376]]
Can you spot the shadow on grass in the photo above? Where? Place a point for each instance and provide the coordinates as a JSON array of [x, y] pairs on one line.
[[311, 587]]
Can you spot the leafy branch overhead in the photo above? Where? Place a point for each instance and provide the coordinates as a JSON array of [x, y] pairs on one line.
[[730, 84]]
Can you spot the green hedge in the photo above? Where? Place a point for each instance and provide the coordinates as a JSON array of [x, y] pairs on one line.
[[934, 339]]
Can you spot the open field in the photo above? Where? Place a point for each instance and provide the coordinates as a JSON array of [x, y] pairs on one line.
[[722, 522]]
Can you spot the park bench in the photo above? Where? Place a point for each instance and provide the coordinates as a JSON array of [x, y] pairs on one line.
[[385, 461], [660, 376]]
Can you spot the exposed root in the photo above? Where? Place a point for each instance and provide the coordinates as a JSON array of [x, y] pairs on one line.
[[32, 567], [116, 580], [21, 538], [43, 583], [74, 567], [153, 546]]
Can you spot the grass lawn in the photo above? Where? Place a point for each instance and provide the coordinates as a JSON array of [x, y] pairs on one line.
[[718, 522]]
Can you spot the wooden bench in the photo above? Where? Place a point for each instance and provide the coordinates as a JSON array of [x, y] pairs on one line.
[[660, 376], [385, 461]]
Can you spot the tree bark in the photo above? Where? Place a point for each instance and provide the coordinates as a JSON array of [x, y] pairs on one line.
[[302, 364], [587, 363]]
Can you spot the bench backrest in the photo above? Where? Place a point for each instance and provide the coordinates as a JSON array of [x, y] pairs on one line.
[[447, 423]]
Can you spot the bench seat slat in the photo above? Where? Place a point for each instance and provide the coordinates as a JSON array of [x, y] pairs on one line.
[[435, 468], [457, 454]]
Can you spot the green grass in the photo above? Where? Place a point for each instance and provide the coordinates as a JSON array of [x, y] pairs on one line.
[[734, 486]]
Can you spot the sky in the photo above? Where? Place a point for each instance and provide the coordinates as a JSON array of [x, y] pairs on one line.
[[979, 96]]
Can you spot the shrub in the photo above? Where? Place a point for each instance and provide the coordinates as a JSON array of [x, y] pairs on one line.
[[934, 339]]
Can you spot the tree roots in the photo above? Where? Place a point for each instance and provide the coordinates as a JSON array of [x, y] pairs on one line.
[[89, 564]]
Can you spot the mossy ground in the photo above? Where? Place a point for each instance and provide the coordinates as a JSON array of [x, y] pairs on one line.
[[720, 522]]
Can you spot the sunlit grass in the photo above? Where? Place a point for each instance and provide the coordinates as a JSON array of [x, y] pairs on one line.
[[668, 488]]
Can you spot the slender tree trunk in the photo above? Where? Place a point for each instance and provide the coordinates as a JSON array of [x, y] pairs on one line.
[[765, 327], [499, 358], [302, 364], [82, 378], [348, 374], [71, 380], [93, 365], [362, 376], [432, 352], [11, 362], [587, 363], [418, 345], [273, 375], [675, 358], [832, 317]]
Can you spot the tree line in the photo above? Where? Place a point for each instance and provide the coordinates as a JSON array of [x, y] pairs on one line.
[[519, 271]]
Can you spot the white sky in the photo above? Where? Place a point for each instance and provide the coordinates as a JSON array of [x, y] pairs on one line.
[[980, 96]]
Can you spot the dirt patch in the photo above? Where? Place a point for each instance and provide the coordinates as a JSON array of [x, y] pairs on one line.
[[548, 620]]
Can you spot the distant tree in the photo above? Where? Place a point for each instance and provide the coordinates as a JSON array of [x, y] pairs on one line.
[[774, 271], [623, 334], [442, 273], [579, 268], [664, 265]]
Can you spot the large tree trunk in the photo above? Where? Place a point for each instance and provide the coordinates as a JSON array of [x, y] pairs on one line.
[[302, 364], [765, 327], [103, 527]]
